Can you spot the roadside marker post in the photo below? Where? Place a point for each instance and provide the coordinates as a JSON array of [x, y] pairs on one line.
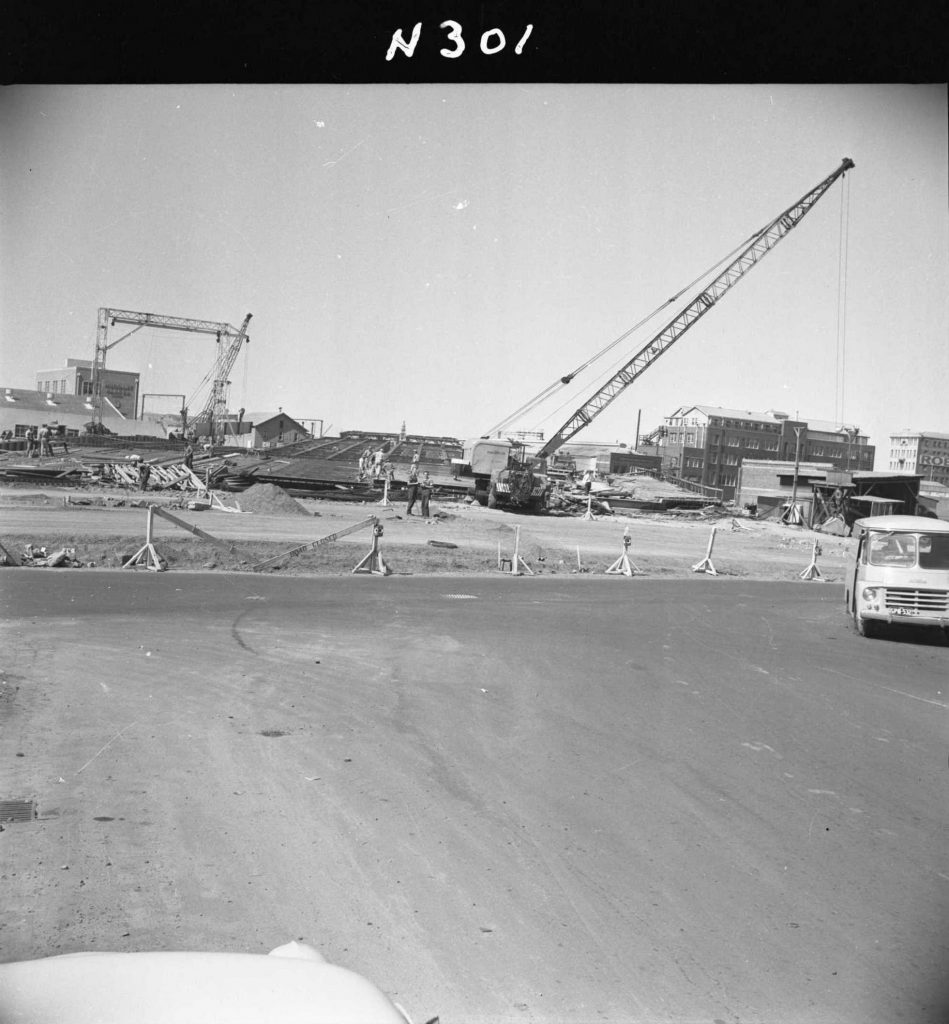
[[705, 565], [517, 562], [147, 555], [622, 565], [812, 572], [385, 503], [374, 562]]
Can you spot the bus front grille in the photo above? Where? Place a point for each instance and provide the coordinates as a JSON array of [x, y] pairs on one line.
[[920, 601]]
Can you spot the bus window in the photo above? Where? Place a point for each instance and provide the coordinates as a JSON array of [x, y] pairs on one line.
[[934, 551], [898, 549]]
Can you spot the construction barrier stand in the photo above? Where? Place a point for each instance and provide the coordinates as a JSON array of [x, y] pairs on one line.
[[147, 555], [623, 566], [812, 572], [374, 562], [705, 565]]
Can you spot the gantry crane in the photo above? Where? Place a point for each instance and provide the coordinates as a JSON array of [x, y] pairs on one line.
[[502, 476], [229, 342]]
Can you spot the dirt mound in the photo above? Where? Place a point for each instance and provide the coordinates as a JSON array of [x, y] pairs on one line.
[[270, 500]]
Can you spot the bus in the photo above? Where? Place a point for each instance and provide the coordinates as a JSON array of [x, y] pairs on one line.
[[900, 574]]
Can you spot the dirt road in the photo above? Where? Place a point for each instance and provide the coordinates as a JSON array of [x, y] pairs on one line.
[[556, 800]]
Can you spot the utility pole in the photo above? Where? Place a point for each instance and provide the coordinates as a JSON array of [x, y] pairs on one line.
[[797, 466]]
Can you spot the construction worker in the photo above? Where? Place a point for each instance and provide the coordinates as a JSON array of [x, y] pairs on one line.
[[412, 490], [30, 442], [45, 447], [189, 457], [425, 492], [144, 472]]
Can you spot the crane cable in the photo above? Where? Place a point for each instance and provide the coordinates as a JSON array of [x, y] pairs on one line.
[[841, 303], [208, 378], [200, 387], [562, 382], [244, 360], [841, 356]]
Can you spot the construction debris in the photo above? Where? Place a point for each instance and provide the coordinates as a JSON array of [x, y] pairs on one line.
[[39, 557]]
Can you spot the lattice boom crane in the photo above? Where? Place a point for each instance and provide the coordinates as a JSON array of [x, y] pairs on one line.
[[762, 243], [216, 404]]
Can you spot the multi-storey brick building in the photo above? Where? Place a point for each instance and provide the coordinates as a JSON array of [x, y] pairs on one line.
[[923, 452], [706, 444]]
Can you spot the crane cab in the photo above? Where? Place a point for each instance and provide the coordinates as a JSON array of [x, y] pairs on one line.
[[502, 475]]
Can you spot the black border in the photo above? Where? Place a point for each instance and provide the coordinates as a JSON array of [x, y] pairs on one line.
[[345, 41]]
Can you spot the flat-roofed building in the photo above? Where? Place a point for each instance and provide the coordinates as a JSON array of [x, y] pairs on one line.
[[75, 378]]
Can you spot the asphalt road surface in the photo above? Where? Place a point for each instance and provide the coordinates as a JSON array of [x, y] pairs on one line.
[[508, 799]]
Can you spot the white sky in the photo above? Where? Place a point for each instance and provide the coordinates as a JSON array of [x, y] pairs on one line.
[[438, 254]]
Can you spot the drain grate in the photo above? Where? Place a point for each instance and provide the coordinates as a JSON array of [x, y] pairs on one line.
[[17, 810]]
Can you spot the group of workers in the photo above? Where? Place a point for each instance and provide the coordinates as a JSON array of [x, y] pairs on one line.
[[39, 442], [371, 463], [374, 465], [419, 489]]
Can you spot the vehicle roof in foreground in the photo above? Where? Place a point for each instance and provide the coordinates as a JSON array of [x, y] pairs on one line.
[[904, 524]]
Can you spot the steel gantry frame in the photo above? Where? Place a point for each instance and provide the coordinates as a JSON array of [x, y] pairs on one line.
[[229, 342]]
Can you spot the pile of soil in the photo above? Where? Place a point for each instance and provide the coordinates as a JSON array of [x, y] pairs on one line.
[[270, 500]]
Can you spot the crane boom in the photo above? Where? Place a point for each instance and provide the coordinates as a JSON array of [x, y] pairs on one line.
[[217, 399], [763, 242]]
